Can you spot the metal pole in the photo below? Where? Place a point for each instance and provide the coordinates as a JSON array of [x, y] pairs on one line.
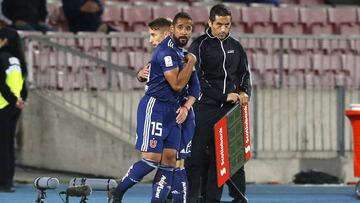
[[340, 108], [255, 120]]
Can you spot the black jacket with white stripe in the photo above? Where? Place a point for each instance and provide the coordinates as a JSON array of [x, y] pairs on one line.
[[222, 68]]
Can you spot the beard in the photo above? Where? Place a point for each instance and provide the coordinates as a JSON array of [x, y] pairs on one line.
[[181, 41]]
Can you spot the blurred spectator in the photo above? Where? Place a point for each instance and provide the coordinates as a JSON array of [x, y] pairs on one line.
[[275, 2], [27, 15], [344, 2], [85, 15]]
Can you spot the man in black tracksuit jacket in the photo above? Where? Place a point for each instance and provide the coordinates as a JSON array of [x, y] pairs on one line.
[[225, 79]]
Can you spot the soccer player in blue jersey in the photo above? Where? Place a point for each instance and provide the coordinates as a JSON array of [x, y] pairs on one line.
[[159, 28], [158, 132]]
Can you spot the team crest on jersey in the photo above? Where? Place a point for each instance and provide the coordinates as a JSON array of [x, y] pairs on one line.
[[168, 61], [153, 143]]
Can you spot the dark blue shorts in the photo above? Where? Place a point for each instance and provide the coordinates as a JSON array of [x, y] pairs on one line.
[[156, 126], [187, 133]]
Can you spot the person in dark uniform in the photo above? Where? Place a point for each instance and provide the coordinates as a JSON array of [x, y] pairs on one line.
[[12, 97], [225, 79]]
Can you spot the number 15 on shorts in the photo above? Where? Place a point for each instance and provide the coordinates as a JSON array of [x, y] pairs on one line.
[[156, 128]]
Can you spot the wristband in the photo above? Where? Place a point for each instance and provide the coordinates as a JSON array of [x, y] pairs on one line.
[[187, 109]]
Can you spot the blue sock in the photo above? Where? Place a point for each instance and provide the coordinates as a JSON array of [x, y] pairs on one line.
[[135, 174], [179, 186], [162, 183]]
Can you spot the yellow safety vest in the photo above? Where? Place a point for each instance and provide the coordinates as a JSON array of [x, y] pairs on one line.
[[14, 80]]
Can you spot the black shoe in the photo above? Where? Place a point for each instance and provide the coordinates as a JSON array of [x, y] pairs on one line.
[[8, 188], [114, 197]]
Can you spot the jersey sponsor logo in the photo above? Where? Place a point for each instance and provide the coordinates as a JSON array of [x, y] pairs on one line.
[[14, 61], [222, 151], [170, 44], [153, 143], [230, 51], [160, 187], [168, 61]]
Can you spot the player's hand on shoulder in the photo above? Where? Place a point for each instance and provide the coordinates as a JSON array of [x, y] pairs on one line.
[[190, 58]]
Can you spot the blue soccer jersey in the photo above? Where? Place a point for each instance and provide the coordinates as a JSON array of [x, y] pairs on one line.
[[188, 127], [165, 57], [156, 116]]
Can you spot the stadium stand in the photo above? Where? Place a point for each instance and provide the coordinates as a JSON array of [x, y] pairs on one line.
[[258, 19], [344, 20], [168, 11], [136, 17], [287, 20], [113, 16], [306, 61], [316, 20], [199, 15]]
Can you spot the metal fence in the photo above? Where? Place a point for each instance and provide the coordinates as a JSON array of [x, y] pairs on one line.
[[302, 85]]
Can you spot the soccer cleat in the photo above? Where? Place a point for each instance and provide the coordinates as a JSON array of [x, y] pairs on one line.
[[114, 196]]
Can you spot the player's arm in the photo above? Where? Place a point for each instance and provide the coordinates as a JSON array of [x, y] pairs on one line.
[[194, 94], [178, 79], [183, 110]]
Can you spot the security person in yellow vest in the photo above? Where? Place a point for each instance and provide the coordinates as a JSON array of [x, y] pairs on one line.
[[12, 96]]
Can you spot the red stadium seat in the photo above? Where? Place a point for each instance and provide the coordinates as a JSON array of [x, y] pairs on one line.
[[127, 41], [334, 45], [136, 17], [329, 66], [113, 15], [120, 58], [257, 19], [350, 70], [354, 45], [90, 41], [287, 20], [344, 20], [168, 11], [238, 25], [200, 16], [63, 38], [316, 20], [266, 65]]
